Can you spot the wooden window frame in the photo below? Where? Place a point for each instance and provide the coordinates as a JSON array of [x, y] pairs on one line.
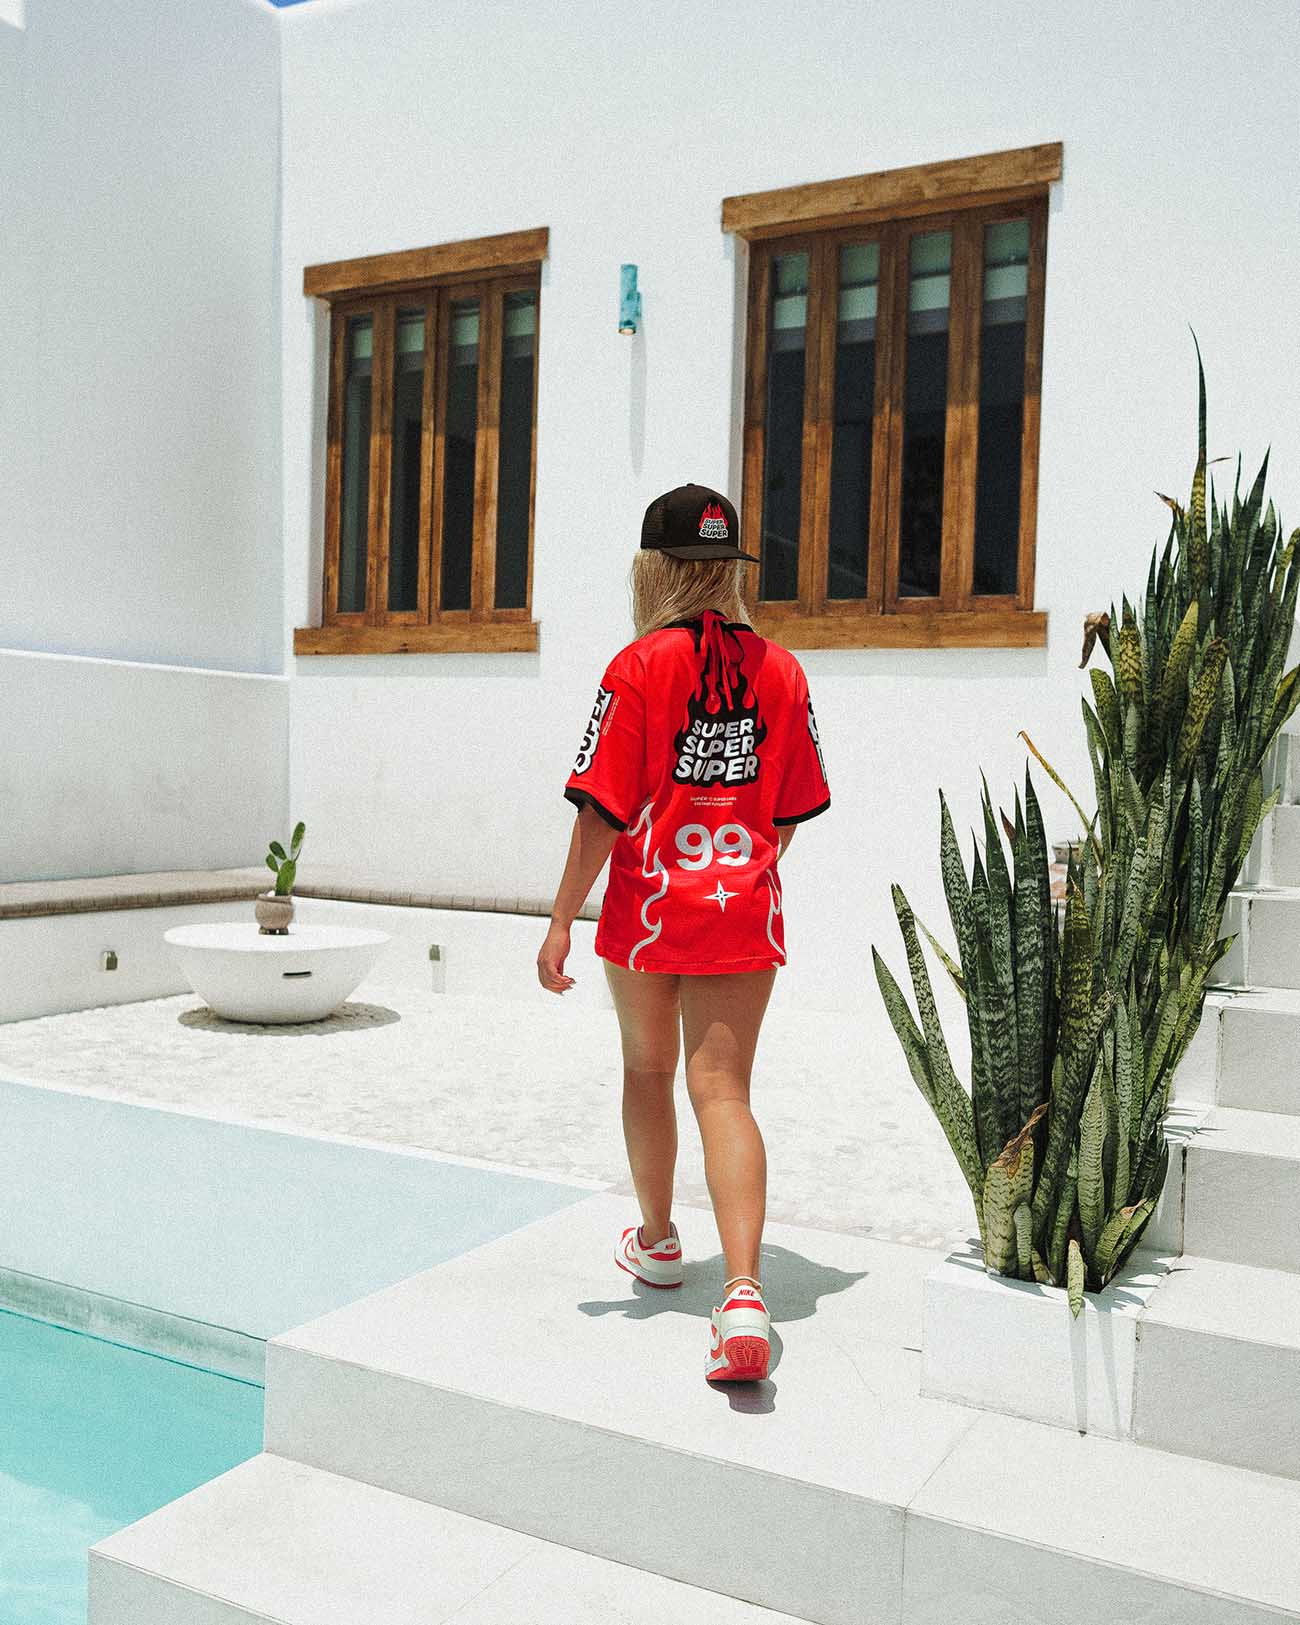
[[486, 269], [964, 195]]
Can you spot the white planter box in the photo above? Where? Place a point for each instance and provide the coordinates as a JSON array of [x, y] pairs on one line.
[[1013, 1346]]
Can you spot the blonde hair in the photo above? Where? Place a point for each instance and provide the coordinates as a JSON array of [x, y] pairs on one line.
[[666, 589]]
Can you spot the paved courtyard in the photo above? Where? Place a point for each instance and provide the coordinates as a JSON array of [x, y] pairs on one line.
[[851, 1145]]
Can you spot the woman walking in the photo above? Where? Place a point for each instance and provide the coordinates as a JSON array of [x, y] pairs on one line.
[[699, 759]]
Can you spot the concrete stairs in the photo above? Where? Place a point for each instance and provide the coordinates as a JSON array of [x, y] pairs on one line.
[[527, 1397], [1218, 1372], [274, 1539]]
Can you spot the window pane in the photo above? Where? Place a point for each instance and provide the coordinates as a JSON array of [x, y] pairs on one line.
[[354, 519], [1002, 406], [787, 319], [458, 461], [514, 468], [925, 409], [408, 428], [855, 383]]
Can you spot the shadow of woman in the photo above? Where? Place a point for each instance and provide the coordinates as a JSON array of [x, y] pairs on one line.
[[792, 1284]]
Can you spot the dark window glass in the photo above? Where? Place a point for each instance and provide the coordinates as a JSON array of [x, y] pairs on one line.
[[855, 375], [514, 468], [783, 439], [354, 526], [458, 458], [408, 429], [925, 409], [1002, 406]]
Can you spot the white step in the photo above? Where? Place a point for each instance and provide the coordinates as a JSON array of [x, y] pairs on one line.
[[531, 1385], [1267, 951], [1284, 856], [1218, 1367], [275, 1540], [1243, 1189], [1274, 858], [534, 1384], [1258, 1049], [1285, 770], [1096, 1526], [1025, 1524]]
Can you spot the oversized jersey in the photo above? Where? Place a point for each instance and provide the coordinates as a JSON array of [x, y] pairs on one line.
[[701, 742]]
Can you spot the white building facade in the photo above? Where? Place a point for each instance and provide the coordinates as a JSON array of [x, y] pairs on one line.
[[254, 145]]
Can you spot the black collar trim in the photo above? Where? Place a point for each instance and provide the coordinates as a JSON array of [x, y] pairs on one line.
[[697, 621]]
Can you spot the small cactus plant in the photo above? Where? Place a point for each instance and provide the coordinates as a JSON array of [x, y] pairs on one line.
[[284, 865]]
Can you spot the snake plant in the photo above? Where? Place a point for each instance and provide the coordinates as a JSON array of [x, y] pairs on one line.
[[1078, 1016]]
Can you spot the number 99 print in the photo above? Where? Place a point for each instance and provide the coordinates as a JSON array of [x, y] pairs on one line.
[[729, 843]]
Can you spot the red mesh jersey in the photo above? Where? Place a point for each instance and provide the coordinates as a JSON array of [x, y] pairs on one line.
[[701, 741]]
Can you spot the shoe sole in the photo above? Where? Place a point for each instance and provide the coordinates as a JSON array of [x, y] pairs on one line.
[[637, 1276], [747, 1360]]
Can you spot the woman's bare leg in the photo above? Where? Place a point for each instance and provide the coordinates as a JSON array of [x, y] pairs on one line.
[[649, 1021], [721, 1016]]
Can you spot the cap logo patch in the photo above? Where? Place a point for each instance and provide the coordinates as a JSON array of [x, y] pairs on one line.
[[713, 523]]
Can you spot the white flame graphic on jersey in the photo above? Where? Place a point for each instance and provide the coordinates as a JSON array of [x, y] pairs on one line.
[[774, 908], [644, 820]]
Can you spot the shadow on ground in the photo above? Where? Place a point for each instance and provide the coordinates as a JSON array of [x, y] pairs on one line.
[[793, 1285], [347, 1018]]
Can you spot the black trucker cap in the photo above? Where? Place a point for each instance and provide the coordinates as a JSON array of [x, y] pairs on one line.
[[693, 522]]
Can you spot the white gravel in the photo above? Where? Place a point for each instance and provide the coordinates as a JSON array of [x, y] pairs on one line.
[[850, 1143]]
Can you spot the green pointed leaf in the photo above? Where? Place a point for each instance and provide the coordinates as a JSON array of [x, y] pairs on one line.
[[1074, 1280], [1092, 1184], [946, 1098]]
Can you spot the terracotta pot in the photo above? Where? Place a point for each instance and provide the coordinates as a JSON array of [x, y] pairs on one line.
[[273, 914]]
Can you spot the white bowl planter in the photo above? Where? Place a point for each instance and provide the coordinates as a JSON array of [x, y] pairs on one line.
[[246, 975]]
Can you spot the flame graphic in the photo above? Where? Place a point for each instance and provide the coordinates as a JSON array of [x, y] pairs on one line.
[[713, 523], [773, 909], [723, 692], [649, 871]]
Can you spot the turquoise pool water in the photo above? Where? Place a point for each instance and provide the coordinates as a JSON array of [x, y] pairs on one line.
[[93, 1436]]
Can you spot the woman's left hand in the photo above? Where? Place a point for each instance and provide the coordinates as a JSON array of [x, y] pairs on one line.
[[550, 961]]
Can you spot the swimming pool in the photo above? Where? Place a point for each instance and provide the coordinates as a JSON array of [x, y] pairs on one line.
[[124, 1225], [94, 1435], [198, 1236]]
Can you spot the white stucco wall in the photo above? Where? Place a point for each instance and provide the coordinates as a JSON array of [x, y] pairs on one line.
[[139, 433], [121, 767], [139, 486], [622, 129]]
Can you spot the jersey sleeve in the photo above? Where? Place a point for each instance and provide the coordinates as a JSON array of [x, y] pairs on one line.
[[610, 768], [804, 791]]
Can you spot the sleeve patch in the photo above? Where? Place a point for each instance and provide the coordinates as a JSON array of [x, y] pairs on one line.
[[591, 737]]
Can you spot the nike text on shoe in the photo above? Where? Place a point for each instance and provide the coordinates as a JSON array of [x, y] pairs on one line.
[[657, 1265], [740, 1331]]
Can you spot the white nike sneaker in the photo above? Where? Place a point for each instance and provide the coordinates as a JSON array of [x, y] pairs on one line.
[[659, 1265], [741, 1335]]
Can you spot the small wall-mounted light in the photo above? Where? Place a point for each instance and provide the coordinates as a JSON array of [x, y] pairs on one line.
[[629, 300]]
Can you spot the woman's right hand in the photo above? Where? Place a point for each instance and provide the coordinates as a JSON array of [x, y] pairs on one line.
[[550, 960]]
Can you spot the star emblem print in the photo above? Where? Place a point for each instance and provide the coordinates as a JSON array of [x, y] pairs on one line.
[[720, 896]]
